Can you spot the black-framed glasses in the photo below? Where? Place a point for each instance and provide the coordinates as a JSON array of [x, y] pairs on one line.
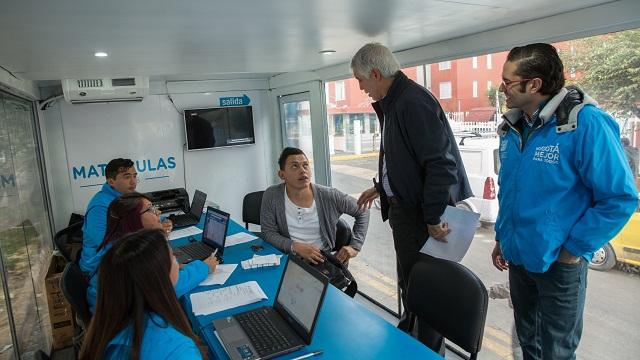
[[506, 83]]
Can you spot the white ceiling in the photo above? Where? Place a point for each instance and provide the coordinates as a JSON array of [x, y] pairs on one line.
[[207, 39]]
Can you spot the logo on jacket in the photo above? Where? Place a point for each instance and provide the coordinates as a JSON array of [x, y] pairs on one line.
[[549, 154]]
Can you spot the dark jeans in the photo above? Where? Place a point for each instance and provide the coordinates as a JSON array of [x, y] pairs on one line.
[[548, 309], [409, 235]]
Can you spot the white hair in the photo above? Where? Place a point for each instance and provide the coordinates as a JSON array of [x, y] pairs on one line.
[[374, 56]]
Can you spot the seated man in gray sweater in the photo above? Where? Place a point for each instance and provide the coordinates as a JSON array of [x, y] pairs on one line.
[[299, 217]]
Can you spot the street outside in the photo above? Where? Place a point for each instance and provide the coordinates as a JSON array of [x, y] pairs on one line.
[[611, 318]]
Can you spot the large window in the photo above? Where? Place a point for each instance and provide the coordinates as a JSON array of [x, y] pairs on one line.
[[25, 237], [445, 90]]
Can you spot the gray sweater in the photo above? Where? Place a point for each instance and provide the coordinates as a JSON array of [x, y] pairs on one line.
[[331, 204]]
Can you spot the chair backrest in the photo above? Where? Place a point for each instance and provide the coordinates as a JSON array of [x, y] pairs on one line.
[[343, 234], [251, 205], [64, 238], [74, 287], [451, 299]]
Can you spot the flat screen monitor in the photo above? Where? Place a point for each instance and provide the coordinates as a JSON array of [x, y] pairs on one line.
[[218, 127]]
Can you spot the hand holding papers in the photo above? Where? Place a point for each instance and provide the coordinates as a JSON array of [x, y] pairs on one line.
[[258, 261], [209, 302], [463, 226], [220, 276], [190, 231], [239, 238]]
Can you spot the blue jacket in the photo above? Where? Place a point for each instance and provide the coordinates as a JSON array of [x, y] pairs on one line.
[[570, 189], [188, 279], [95, 226], [160, 341]]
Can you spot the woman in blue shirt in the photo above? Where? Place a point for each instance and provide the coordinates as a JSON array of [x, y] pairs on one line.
[[131, 212], [138, 315]]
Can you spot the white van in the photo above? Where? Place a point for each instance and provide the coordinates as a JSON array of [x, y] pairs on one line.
[[482, 163]]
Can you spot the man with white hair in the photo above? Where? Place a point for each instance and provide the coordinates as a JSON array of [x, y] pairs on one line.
[[420, 168]]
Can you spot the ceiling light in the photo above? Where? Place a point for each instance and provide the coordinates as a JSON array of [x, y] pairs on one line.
[[326, 52], [101, 54]]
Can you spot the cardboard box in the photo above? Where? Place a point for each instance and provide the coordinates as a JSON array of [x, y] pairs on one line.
[[60, 311]]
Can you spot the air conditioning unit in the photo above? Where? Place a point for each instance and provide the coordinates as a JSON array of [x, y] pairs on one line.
[[82, 91]]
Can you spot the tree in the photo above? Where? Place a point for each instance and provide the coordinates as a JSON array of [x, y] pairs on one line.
[[607, 67], [491, 95]]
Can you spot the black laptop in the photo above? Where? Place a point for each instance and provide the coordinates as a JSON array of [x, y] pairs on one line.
[[287, 326], [193, 216], [214, 235]]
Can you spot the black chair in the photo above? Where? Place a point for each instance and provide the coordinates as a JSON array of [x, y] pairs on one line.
[[251, 205], [65, 237], [343, 234], [451, 299], [74, 287]]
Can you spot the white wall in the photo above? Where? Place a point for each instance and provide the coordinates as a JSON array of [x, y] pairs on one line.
[[92, 134]]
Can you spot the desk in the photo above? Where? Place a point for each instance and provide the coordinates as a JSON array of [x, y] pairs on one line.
[[345, 328]]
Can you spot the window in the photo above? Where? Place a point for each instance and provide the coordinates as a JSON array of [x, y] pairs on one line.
[[338, 124], [339, 86], [489, 84], [373, 123], [489, 65], [474, 62], [475, 88], [445, 90], [444, 65]]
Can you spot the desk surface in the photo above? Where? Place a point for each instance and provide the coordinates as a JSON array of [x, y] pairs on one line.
[[345, 328]]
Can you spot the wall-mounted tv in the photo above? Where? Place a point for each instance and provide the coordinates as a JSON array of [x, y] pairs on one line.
[[218, 127]]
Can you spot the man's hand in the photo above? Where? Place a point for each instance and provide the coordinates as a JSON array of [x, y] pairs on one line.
[[439, 231], [366, 198], [498, 261], [308, 252], [167, 225], [566, 257], [345, 253], [212, 263]]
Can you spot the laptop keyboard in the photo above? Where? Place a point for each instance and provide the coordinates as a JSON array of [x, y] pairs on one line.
[[264, 336], [197, 250]]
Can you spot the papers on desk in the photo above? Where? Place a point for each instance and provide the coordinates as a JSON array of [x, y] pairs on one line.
[[239, 238], [463, 226], [220, 276], [212, 301], [258, 261], [180, 233]]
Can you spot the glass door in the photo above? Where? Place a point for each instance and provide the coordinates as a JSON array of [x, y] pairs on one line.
[[295, 116]]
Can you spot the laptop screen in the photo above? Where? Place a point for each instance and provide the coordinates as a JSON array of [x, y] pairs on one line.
[[215, 228], [197, 205], [300, 294]]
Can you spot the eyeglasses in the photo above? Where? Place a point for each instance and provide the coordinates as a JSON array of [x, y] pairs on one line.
[[154, 209], [506, 82]]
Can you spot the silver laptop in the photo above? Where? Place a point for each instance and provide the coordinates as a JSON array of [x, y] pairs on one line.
[[287, 326]]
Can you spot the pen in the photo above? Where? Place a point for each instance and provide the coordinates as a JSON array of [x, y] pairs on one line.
[[314, 353], [214, 252]]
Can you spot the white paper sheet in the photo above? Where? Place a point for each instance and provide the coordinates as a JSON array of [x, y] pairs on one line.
[[212, 301], [180, 233], [258, 261], [463, 225], [239, 238], [220, 276]]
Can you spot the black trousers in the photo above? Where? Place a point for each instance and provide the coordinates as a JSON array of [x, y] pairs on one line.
[[409, 236]]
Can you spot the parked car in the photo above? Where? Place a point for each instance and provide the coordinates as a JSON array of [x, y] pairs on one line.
[[624, 248], [481, 160]]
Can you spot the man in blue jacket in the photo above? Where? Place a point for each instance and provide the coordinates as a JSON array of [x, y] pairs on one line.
[[420, 167], [122, 178], [565, 190]]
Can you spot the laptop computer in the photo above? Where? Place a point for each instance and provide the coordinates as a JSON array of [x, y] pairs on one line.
[[193, 216], [214, 235], [268, 331]]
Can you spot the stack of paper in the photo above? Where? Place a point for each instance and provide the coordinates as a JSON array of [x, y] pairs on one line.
[[190, 231], [220, 276], [261, 261], [239, 238], [209, 302]]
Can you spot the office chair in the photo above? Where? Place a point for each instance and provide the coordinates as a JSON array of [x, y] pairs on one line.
[[343, 234], [65, 237], [451, 299], [251, 205], [74, 287]]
